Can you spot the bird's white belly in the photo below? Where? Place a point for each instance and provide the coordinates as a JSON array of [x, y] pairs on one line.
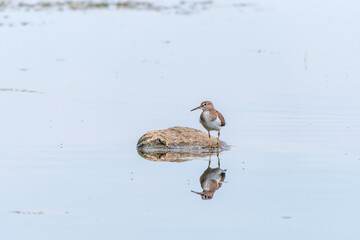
[[210, 125]]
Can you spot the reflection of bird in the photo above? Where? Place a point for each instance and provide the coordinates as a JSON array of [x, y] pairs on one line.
[[210, 118], [211, 180]]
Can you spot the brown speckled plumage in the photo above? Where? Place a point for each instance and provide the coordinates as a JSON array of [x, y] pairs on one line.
[[222, 119]]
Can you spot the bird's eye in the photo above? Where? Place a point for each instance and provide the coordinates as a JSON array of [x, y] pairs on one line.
[[204, 104]]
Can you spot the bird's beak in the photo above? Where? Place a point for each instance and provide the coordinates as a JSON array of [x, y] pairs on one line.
[[196, 192], [196, 108]]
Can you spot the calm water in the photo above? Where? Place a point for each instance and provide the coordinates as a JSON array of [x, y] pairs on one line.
[[79, 88]]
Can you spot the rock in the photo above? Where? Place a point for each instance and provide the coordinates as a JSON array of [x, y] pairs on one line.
[[177, 144]]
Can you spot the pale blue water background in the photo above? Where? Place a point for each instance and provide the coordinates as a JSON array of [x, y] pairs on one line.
[[285, 74]]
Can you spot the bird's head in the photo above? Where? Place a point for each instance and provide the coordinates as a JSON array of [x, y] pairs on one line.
[[205, 195], [205, 105]]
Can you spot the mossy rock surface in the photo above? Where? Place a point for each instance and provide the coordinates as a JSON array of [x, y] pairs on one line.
[[177, 144]]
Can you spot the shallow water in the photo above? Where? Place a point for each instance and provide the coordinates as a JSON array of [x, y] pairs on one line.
[[79, 88]]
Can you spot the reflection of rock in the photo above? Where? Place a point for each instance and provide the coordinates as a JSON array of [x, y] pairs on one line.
[[211, 180], [171, 157], [177, 140]]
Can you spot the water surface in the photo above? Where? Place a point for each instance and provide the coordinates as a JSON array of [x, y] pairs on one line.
[[79, 88]]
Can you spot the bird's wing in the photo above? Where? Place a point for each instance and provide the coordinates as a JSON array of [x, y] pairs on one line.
[[222, 119]]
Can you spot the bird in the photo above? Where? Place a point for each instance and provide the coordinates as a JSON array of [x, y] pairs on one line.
[[211, 119], [211, 180]]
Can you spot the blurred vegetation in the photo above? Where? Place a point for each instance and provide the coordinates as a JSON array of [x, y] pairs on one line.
[[181, 7]]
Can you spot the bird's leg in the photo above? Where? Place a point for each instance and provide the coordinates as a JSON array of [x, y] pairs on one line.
[[217, 154], [218, 141], [209, 139], [209, 160]]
